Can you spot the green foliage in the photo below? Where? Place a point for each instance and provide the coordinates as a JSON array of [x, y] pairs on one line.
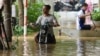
[[18, 30], [13, 1], [34, 10], [96, 16], [30, 30]]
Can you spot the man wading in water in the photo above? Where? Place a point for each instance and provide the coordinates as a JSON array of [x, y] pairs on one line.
[[45, 19]]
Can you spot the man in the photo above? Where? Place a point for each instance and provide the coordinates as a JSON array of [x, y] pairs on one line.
[[45, 19], [82, 17]]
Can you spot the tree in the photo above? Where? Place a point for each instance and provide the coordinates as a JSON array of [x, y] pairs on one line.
[[7, 19], [13, 1], [21, 12], [33, 1]]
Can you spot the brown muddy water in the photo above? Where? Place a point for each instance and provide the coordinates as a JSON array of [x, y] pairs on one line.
[[65, 46]]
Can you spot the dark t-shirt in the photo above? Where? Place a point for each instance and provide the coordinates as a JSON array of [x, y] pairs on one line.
[[82, 20]]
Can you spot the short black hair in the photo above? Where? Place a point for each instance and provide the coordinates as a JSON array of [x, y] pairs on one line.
[[84, 4], [48, 7]]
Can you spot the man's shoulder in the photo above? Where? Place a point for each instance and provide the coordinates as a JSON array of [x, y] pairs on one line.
[[80, 11], [40, 16], [52, 15]]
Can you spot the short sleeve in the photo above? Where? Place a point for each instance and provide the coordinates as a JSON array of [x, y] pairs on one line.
[[80, 13], [54, 20], [39, 20]]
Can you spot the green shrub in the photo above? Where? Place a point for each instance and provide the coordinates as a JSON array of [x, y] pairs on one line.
[[96, 16], [18, 30], [34, 10]]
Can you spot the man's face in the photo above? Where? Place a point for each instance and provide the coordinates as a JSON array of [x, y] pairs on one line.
[[85, 7], [45, 9]]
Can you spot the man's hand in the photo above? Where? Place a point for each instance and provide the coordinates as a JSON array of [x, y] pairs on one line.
[[32, 25], [56, 25], [87, 14]]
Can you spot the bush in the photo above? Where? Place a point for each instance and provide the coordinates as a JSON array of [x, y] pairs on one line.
[[18, 30], [96, 16], [34, 10]]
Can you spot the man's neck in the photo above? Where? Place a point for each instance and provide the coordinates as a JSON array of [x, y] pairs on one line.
[[46, 14], [83, 11]]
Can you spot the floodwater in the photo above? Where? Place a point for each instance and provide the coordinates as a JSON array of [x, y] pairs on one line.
[[65, 46]]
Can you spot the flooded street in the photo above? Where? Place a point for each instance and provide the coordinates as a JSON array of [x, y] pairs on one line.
[[75, 24], [65, 46]]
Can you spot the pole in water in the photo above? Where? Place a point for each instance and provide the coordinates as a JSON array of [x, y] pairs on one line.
[[25, 27], [25, 17]]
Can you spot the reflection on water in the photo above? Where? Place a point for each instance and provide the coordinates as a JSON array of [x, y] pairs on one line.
[[44, 50], [88, 47], [5, 53], [63, 47]]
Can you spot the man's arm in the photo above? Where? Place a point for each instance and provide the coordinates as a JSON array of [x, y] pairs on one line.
[[55, 22], [81, 15], [36, 23]]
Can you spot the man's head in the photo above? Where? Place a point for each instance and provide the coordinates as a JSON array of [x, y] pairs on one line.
[[46, 9], [84, 6]]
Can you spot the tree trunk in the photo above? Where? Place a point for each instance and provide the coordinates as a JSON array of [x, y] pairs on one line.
[[21, 12], [7, 19]]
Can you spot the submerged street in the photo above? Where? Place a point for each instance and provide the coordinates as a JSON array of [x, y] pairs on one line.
[[65, 46]]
